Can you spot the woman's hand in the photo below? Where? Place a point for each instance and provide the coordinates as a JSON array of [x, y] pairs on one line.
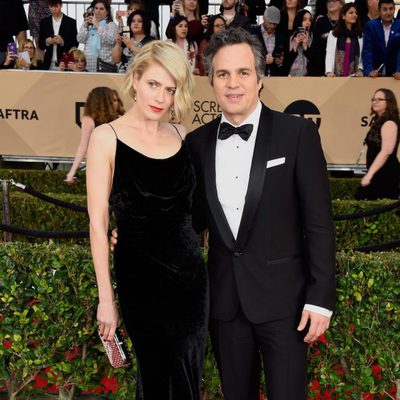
[[204, 20], [359, 73], [10, 58], [71, 180], [330, 74], [107, 319], [304, 40], [366, 180]]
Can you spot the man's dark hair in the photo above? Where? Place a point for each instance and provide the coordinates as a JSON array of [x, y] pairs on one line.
[[230, 37], [54, 2], [385, 2]]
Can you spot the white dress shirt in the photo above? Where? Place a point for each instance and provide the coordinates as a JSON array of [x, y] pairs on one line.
[[56, 29], [233, 158]]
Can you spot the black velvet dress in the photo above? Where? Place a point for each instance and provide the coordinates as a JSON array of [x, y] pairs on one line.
[[385, 183], [161, 278]]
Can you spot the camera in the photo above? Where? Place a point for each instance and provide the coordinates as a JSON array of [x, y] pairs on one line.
[[278, 51]]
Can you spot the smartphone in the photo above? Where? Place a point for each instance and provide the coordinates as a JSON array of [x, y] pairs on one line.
[[12, 47]]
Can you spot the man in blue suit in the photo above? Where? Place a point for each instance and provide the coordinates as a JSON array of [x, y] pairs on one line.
[[381, 47]]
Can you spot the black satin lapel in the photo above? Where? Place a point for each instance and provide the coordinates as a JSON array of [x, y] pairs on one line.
[[257, 176], [211, 189]]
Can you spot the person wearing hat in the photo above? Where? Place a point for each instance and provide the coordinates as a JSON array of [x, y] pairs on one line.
[[272, 41]]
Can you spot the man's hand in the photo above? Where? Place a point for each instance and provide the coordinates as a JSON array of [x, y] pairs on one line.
[[396, 75], [114, 238], [374, 73], [318, 325]]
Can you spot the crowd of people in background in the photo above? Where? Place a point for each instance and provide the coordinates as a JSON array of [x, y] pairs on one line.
[[334, 39]]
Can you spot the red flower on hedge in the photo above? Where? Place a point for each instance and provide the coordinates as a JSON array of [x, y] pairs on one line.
[[322, 339], [351, 328], [7, 343]]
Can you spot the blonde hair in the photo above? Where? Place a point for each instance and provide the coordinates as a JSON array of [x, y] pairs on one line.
[[171, 57], [21, 48], [196, 11]]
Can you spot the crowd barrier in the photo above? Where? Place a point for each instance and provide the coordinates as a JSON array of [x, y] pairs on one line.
[[7, 227], [40, 111]]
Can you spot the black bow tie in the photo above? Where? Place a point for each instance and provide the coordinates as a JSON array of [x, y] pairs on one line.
[[227, 130]]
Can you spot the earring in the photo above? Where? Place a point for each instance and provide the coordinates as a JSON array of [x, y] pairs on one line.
[[172, 114], [134, 95]]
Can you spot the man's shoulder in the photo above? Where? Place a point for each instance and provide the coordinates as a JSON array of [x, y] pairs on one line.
[[69, 20]]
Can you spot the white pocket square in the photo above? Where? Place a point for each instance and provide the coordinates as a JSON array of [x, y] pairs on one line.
[[275, 162]]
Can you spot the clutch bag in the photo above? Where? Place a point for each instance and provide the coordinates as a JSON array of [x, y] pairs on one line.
[[116, 350]]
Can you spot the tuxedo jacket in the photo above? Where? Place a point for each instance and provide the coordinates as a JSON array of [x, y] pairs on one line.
[[284, 253], [67, 31], [375, 52]]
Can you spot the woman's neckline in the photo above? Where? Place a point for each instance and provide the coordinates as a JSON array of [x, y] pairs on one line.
[[152, 158]]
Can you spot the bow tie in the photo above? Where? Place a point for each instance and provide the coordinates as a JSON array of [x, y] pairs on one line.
[[227, 130]]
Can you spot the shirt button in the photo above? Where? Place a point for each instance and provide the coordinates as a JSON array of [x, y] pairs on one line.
[[237, 253]]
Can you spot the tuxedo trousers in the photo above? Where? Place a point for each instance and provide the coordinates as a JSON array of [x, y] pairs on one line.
[[242, 347]]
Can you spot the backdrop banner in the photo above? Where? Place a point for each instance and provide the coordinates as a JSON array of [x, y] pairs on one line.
[[40, 112]]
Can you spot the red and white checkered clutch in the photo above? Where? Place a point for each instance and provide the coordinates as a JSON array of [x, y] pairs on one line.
[[117, 351]]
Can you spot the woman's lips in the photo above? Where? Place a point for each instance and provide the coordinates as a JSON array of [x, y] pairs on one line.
[[156, 109]]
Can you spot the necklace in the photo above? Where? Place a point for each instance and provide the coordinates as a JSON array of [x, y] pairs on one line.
[[333, 23]]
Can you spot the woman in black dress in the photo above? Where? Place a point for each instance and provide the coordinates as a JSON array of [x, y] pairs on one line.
[[383, 176], [141, 167]]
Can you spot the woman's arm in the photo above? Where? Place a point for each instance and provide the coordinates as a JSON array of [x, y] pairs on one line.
[[82, 34], [117, 50], [389, 140], [98, 181], [86, 131]]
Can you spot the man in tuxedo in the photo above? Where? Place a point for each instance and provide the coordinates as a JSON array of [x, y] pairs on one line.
[[262, 191], [57, 35], [381, 43]]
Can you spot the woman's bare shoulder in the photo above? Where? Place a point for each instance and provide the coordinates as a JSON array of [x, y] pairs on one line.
[[180, 128]]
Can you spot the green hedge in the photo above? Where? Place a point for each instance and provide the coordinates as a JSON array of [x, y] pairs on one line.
[[343, 188], [29, 212], [32, 213], [52, 181], [47, 312], [45, 181]]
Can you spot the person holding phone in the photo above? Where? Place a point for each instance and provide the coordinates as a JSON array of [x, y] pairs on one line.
[[127, 44], [98, 34], [274, 42], [297, 58], [25, 58], [57, 35]]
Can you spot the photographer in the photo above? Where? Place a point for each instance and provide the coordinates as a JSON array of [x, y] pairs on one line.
[[57, 35], [74, 61], [272, 41], [128, 43], [98, 34], [297, 58]]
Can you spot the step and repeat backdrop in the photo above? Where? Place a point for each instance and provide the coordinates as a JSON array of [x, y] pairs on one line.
[[40, 112]]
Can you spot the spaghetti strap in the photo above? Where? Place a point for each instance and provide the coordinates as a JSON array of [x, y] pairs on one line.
[[115, 133], [177, 131]]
